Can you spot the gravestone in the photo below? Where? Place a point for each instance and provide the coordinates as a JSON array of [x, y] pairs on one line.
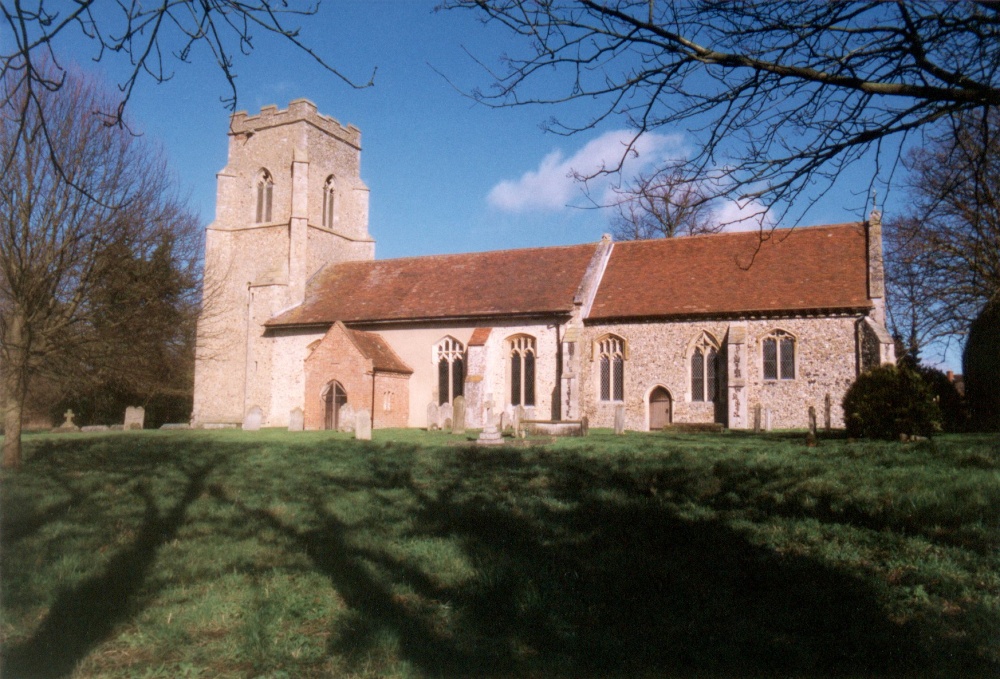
[[296, 420], [767, 419], [756, 418], [811, 436], [363, 425], [68, 424], [252, 421], [517, 419], [584, 426], [432, 416], [458, 420], [345, 419], [135, 417], [620, 418], [445, 416], [490, 435], [827, 413], [505, 419]]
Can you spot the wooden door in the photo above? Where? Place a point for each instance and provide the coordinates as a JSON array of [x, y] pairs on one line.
[[659, 408], [333, 399]]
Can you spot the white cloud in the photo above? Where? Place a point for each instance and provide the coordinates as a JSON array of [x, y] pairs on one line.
[[554, 185], [743, 216]]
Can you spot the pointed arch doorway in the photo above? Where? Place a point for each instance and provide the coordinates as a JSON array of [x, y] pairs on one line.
[[660, 408], [333, 398]]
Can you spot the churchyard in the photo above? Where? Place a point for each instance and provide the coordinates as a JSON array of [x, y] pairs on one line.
[[420, 554]]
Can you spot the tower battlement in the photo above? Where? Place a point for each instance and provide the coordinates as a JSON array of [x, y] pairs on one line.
[[299, 110]]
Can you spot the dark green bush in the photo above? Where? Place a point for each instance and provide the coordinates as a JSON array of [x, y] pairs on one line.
[[887, 401], [953, 417]]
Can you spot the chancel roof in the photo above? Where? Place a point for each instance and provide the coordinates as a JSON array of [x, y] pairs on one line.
[[534, 281], [821, 268], [807, 269]]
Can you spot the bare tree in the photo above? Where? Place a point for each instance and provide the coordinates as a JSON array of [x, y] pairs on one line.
[[943, 255], [148, 36], [779, 96], [663, 204], [81, 200]]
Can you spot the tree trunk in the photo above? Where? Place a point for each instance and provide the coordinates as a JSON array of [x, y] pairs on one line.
[[13, 372]]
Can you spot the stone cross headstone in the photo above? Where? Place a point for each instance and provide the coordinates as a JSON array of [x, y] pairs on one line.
[[827, 413], [363, 425], [490, 435], [135, 417], [252, 421], [345, 419], [756, 418], [68, 424], [620, 418], [767, 419], [811, 436], [296, 420], [458, 419], [432, 416]]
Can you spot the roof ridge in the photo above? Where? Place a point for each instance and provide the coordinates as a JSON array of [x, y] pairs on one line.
[[466, 254], [722, 234]]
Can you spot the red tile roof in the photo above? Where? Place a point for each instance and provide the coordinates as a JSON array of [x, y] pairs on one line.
[[374, 347], [802, 269], [479, 337], [476, 285]]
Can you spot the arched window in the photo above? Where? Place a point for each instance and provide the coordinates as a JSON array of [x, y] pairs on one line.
[[779, 356], [265, 191], [522, 370], [329, 202], [705, 369], [611, 353], [449, 354]]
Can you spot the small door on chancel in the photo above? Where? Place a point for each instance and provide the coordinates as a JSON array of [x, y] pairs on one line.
[[333, 399], [659, 408]]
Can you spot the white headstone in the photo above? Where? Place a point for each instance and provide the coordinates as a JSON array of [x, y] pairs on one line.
[[346, 418], [432, 416], [445, 416], [135, 417], [767, 419], [363, 425], [252, 421], [296, 420]]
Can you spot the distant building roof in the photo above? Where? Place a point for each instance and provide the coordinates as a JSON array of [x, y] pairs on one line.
[[820, 268], [534, 281]]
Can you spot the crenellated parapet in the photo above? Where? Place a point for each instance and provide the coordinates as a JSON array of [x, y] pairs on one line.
[[299, 110]]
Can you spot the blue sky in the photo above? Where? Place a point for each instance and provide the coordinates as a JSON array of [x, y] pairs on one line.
[[446, 174]]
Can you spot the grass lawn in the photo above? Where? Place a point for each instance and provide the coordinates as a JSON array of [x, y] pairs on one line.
[[269, 554]]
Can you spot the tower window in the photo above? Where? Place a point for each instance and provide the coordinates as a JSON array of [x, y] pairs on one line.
[[329, 202], [265, 192]]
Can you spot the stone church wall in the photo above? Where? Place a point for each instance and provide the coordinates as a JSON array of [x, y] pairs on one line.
[[659, 355]]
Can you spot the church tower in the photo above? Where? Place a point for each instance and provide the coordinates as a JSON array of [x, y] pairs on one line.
[[289, 200]]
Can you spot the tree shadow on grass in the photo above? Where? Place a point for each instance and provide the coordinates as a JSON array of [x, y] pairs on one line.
[[83, 616], [598, 582]]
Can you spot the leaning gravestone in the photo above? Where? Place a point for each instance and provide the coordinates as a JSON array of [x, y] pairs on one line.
[[458, 420], [252, 421], [620, 419], [363, 425], [135, 417], [432, 416], [296, 420]]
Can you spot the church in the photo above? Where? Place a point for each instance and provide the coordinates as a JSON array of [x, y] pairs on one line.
[[299, 317]]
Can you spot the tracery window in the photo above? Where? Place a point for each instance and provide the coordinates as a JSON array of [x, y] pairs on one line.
[[779, 356], [449, 354], [265, 193], [522, 370], [611, 352], [329, 202], [705, 369]]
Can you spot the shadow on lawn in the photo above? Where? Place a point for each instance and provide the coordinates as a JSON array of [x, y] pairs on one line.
[[612, 585], [83, 616]]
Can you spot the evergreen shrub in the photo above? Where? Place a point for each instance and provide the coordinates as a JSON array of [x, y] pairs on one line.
[[887, 402]]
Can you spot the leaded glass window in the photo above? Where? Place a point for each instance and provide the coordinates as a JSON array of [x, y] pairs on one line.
[[612, 361], [705, 369], [329, 202], [449, 354], [265, 192], [522, 370], [779, 356]]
